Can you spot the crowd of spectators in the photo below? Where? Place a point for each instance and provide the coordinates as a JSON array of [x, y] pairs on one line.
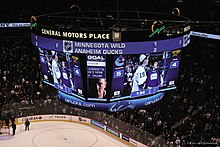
[[187, 115], [19, 71]]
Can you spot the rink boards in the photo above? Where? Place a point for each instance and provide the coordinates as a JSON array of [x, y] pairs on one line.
[[86, 121]]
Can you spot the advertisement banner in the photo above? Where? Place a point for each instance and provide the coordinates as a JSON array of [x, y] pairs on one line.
[[134, 142], [112, 132], [125, 138], [111, 106], [31, 118], [80, 119], [14, 25], [98, 124]]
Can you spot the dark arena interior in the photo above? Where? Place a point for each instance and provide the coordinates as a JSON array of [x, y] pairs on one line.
[[187, 113]]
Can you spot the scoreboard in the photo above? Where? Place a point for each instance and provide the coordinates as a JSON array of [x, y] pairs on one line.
[[109, 70]]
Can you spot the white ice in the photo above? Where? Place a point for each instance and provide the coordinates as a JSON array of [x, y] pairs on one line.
[[59, 134]]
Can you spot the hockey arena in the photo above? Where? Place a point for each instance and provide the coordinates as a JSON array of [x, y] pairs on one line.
[[96, 73], [66, 134]]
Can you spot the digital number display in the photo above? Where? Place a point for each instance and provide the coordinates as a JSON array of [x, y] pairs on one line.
[[110, 76]]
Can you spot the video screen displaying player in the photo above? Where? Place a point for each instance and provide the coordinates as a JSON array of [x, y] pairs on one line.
[[140, 76], [133, 75], [59, 69], [97, 88], [56, 68], [66, 77], [153, 76], [164, 65], [46, 66], [65, 82], [73, 65], [128, 79], [149, 72]]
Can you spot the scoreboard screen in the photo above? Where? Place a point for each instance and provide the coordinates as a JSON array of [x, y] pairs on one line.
[[110, 76], [132, 78], [99, 64]]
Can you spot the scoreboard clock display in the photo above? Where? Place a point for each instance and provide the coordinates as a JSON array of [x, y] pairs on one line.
[[109, 70]]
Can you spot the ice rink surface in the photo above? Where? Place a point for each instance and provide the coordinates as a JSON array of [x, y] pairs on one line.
[[59, 134]]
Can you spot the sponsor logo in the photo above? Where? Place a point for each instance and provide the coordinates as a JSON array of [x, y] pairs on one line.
[[125, 138], [51, 116], [153, 101], [116, 36], [81, 119], [80, 104], [133, 142], [33, 25], [32, 118], [157, 31], [186, 29], [112, 132], [63, 117], [95, 123]]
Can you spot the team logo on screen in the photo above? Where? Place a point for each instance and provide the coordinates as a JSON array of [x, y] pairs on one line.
[[175, 53], [118, 73], [174, 64], [119, 61], [77, 72], [67, 46], [43, 60], [121, 105], [75, 59]]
